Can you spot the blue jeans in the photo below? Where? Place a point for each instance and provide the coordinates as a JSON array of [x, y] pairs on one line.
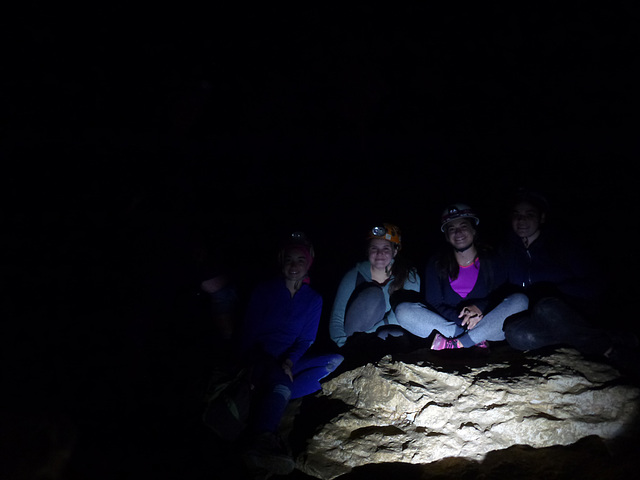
[[419, 320], [277, 388], [490, 327]]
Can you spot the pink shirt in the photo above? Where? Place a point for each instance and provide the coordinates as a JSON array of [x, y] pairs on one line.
[[466, 279]]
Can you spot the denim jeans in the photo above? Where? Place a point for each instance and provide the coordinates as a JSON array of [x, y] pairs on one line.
[[279, 389], [419, 320], [490, 327]]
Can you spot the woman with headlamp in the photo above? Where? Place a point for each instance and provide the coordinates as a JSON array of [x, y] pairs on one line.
[[362, 302], [464, 304]]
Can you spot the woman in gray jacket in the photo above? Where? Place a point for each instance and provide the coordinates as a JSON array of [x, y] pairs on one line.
[[362, 302]]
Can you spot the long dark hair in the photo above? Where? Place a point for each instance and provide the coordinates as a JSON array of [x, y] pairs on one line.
[[401, 271], [447, 264]]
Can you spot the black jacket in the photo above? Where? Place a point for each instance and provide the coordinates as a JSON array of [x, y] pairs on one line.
[[551, 266], [486, 293]]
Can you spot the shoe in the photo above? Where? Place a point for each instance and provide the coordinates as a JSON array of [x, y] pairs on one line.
[[268, 452], [481, 348], [443, 343]]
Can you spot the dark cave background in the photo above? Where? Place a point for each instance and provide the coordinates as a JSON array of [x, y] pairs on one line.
[[136, 135]]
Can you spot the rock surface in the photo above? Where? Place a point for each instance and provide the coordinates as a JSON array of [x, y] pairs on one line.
[[419, 410]]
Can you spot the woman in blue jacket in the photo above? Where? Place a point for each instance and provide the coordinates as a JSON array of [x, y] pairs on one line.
[[462, 283], [281, 323], [363, 299]]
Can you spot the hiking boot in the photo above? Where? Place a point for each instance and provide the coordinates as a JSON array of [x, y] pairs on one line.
[[443, 343], [268, 452]]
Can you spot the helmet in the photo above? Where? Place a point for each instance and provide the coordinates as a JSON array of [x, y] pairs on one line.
[[297, 239], [387, 232], [455, 211]]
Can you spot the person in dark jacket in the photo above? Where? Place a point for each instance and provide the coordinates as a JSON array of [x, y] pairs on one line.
[[561, 281], [281, 324], [462, 283]]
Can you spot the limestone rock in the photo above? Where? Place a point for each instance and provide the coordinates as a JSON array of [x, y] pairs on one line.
[[419, 412]]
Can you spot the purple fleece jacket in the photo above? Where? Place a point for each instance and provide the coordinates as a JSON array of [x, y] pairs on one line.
[[282, 326]]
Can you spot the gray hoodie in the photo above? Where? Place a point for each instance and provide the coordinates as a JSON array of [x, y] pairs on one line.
[[345, 290]]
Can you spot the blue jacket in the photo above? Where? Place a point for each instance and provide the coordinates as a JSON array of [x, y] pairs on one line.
[[282, 326], [445, 301], [347, 285]]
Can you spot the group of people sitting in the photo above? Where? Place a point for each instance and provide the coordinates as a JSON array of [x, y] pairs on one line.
[[533, 291]]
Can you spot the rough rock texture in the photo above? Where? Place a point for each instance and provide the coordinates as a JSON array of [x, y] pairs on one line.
[[418, 412]]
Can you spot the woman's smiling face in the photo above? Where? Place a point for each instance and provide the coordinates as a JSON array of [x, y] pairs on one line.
[[460, 233], [526, 219], [381, 252], [295, 264]]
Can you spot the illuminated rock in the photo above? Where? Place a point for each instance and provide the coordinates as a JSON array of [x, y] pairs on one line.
[[419, 412]]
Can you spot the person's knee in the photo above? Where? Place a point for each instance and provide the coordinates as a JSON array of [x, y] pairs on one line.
[[334, 362], [404, 310], [515, 322], [373, 298], [365, 310], [401, 309], [519, 301]]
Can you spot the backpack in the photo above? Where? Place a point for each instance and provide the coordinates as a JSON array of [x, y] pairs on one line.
[[228, 404]]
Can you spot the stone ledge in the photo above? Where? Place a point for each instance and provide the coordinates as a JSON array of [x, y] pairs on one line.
[[420, 410]]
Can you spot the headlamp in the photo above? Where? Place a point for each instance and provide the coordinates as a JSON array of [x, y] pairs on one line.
[[379, 231], [387, 231], [298, 236]]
